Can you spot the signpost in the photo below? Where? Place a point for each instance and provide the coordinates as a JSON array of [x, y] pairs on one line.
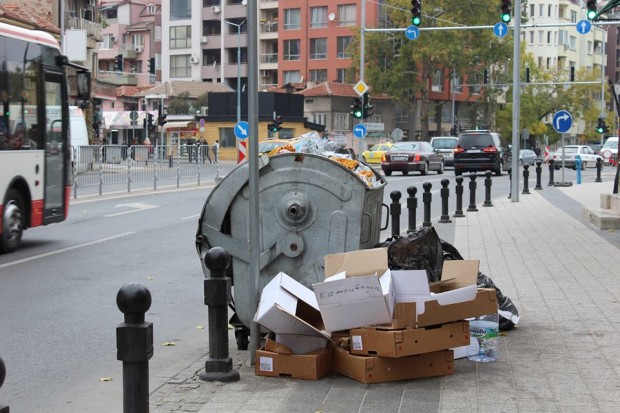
[[242, 130], [359, 131], [562, 121], [500, 29]]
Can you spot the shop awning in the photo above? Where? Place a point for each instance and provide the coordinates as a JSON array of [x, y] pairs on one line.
[[180, 124]]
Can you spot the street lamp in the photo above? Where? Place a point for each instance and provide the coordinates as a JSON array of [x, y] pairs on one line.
[[238, 26]]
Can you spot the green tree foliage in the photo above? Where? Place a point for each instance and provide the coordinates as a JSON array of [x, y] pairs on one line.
[[184, 104]]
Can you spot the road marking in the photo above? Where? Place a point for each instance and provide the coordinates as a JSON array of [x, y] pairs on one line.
[[190, 217], [137, 207], [47, 254]]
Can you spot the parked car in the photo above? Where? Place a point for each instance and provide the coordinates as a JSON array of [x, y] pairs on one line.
[[587, 155], [375, 153], [609, 150], [481, 150], [412, 156], [527, 157], [445, 145]]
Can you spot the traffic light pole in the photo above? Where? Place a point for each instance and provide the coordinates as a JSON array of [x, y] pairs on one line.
[[516, 102], [360, 148]]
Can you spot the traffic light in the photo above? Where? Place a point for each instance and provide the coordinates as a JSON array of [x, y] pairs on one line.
[[591, 13], [367, 108], [118, 63], [601, 127], [161, 117], [152, 65], [572, 73], [276, 125], [506, 10], [149, 121], [527, 75], [416, 12], [357, 108], [485, 77]]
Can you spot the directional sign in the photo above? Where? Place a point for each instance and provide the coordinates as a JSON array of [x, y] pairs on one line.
[[584, 26], [500, 29], [412, 32], [359, 130], [562, 121], [242, 129]]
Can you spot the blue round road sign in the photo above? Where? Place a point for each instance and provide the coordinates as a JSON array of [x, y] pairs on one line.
[[500, 29], [562, 121], [359, 131], [242, 129], [412, 32], [584, 26]]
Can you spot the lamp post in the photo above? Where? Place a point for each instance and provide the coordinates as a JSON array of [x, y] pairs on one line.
[[238, 26]]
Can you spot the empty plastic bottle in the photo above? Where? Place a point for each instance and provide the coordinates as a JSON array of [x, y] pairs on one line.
[[484, 338]]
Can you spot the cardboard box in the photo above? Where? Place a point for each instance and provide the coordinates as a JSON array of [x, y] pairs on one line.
[[302, 344], [485, 302], [373, 369], [357, 291], [277, 360], [288, 307], [374, 341]]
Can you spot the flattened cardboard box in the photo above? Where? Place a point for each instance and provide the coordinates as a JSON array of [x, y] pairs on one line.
[[372, 369], [375, 341], [485, 302], [276, 360]]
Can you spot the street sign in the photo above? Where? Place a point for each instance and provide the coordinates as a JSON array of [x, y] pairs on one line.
[[584, 26], [562, 121], [360, 88], [359, 131], [500, 29], [242, 129], [242, 151], [133, 115], [412, 32], [202, 124]]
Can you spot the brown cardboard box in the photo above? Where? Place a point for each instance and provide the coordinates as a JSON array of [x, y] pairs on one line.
[[375, 341], [435, 313], [277, 360], [372, 369]]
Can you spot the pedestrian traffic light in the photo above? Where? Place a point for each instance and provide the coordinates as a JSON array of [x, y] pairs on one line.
[[572, 73], [416, 12], [367, 108], [485, 77], [161, 117], [527, 75], [149, 121], [506, 10], [601, 127], [591, 6], [118, 63], [357, 108]]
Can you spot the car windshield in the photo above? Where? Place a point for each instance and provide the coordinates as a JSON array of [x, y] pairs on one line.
[[407, 146], [475, 141], [570, 149], [610, 144], [444, 143]]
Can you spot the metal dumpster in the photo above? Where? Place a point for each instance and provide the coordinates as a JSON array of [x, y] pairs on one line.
[[309, 206]]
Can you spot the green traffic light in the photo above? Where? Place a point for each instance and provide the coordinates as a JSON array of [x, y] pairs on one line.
[[591, 14], [357, 114], [416, 20], [506, 17]]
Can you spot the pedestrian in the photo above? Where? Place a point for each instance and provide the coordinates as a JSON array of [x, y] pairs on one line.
[[206, 150], [216, 150], [198, 154]]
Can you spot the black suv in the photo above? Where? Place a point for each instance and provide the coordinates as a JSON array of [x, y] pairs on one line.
[[481, 150]]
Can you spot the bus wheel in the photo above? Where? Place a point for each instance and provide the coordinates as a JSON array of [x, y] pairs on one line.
[[12, 222]]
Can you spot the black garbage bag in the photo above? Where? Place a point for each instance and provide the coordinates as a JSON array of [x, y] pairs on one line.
[[424, 250]]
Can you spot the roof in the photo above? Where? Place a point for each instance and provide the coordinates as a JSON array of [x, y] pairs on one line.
[[30, 16], [177, 87]]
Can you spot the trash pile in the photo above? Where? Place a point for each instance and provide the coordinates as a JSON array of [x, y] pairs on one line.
[[371, 322], [312, 143]]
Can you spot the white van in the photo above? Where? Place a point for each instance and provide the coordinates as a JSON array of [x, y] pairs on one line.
[[609, 150], [82, 155]]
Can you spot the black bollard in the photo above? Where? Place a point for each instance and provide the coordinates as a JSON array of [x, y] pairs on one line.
[[599, 167], [526, 178], [3, 409], [427, 198], [472, 193], [395, 211], [551, 170], [510, 184], [459, 197], [134, 346], [488, 182], [445, 194], [412, 205], [538, 186], [218, 366]]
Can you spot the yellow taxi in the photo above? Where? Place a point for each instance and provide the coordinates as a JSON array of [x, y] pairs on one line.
[[376, 152]]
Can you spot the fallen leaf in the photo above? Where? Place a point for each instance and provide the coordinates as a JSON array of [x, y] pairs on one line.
[[169, 343], [200, 327], [149, 278], [105, 379]]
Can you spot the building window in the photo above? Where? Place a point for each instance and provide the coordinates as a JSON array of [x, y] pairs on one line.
[[227, 138], [318, 48], [550, 10], [531, 37], [180, 9], [292, 76], [180, 37], [457, 84], [292, 19], [180, 66], [347, 15], [341, 75], [540, 62], [320, 118], [107, 41], [532, 9], [437, 81], [341, 121], [111, 14], [475, 81], [573, 16], [401, 113], [211, 57], [318, 17], [590, 47], [563, 36], [343, 44], [572, 43], [318, 75], [291, 50], [151, 9], [541, 10], [549, 38]]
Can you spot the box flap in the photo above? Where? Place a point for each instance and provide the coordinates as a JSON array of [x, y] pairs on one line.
[[276, 347], [361, 262], [347, 290], [459, 273]]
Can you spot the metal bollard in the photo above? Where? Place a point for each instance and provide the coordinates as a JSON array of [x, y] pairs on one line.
[[3, 409], [599, 167], [412, 205], [395, 211], [169, 161], [526, 178], [510, 184], [445, 194], [538, 176], [134, 346], [459, 197], [472, 192], [488, 182], [578, 168], [218, 366], [551, 170], [427, 198]]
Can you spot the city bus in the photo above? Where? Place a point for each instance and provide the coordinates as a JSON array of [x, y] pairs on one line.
[[34, 131]]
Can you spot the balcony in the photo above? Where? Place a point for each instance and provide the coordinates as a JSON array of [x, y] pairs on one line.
[[118, 78], [269, 29], [93, 30]]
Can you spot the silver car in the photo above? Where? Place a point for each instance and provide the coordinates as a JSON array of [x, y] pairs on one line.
[[527, 157], [445, 145]]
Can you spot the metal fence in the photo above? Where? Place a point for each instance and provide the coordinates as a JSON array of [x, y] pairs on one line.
[[120, 167]]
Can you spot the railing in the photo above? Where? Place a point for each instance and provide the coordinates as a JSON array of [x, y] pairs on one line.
[[269, 58]]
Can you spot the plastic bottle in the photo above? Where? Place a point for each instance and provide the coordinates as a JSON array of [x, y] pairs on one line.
[[484, 338]]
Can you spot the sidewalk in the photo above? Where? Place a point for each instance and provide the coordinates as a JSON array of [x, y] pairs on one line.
[[559, 270]]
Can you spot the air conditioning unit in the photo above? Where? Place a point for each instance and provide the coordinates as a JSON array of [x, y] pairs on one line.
[[264, 73], [138, 49], [113, 39], [204, 39], [204, 110], [194, 60], [215, 9]]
